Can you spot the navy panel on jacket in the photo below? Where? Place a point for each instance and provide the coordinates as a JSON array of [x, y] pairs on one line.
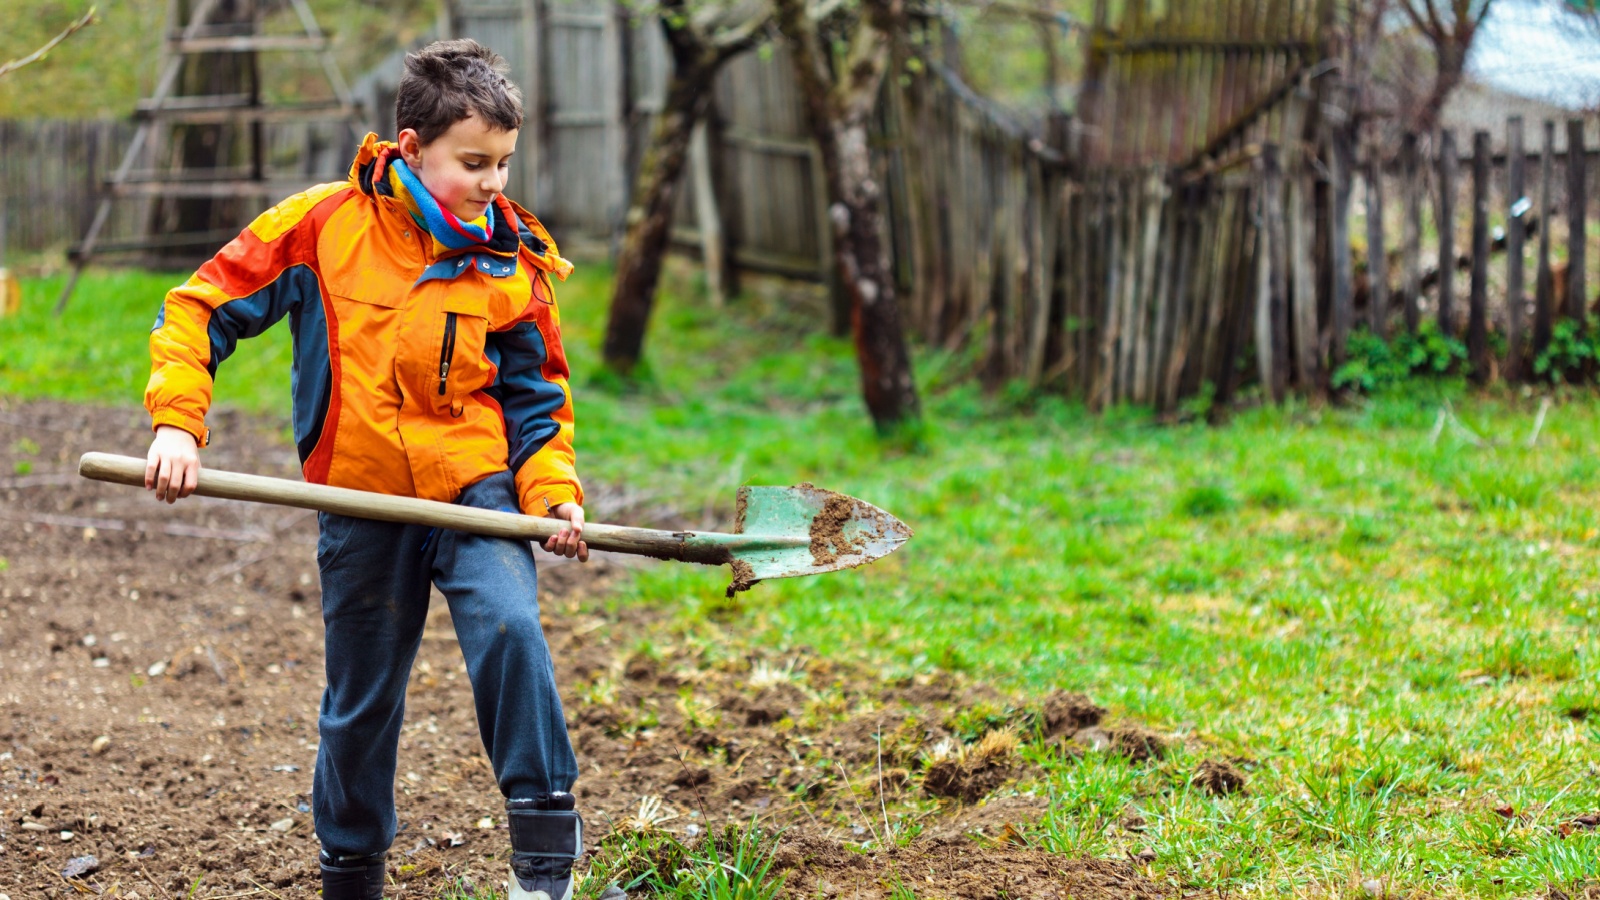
[[526, 399]]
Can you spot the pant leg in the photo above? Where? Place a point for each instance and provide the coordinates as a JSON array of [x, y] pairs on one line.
[[374, 605], [492, 588]]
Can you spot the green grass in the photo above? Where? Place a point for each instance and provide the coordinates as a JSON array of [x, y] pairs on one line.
[[98, 349], [1393, 636]]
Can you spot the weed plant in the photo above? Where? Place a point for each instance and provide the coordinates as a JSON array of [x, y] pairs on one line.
[[1390, 628]]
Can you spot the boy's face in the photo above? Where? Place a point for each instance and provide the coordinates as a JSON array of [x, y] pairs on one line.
[[465, 167]]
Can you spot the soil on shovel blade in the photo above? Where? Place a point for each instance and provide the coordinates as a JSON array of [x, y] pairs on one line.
[[161, 668]]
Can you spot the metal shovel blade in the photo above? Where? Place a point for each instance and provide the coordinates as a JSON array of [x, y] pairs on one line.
[[842, 533]]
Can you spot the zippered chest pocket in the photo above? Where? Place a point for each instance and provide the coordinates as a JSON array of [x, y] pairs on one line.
[[463, 366], [447, 350]]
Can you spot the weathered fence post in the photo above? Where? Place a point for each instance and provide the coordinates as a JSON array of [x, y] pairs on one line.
[[1341, 312], [1411, 249], [1377, 258], [1249, 273], [1577, 196], [1478, 298], [1303, 293], [1516, 223], [1447, 233], [1272, 286], [1544, 286]]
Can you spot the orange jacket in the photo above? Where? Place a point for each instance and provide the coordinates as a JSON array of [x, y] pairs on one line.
[[415, 373]]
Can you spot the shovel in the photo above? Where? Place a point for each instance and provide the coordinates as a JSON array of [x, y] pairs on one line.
[[781, 532]]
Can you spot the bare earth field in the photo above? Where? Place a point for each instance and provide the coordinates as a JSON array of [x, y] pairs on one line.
[[160, 670]]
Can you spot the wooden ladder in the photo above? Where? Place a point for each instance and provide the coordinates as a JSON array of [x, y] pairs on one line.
[[162, 109]]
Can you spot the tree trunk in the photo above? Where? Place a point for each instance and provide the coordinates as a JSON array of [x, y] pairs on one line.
[[839, 113], [863, 262], [649, 224]]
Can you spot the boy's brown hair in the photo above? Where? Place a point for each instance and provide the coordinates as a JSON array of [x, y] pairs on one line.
[[448, 81]]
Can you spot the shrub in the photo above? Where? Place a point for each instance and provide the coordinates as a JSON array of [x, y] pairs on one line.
[[1373, 364], [1570, 352]]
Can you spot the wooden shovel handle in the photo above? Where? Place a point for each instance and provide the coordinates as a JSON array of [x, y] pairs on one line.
[[410, 510]]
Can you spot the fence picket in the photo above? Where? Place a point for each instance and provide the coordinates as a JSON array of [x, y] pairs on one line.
[[1448, 168], [1544, 286], [1577, 223], [1478, 297], [1516, 220], [1411, 247]]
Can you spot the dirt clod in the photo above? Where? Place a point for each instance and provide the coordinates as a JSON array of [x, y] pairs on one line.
[[967, 783], [828, 542], [1067, 713], [744, 577], [1137, 743], [975, 773], [1218, 777]]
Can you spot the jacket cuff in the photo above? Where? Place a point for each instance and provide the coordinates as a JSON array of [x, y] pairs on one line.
[[540, 503], [193, 424]]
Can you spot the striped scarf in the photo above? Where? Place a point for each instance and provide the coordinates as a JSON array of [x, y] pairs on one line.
[[450, 232]]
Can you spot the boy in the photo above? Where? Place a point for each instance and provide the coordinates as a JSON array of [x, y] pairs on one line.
[[427, 363]]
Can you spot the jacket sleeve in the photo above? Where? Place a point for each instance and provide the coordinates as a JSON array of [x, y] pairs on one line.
[[250, 284], [532, 390]]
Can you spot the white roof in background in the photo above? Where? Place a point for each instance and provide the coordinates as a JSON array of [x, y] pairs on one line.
[[1534, 48]]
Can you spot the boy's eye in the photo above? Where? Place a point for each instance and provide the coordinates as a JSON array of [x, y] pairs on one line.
[[473, 167]]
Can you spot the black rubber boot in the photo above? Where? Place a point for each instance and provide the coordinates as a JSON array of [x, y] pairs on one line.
[[546, 839], [352, 877]]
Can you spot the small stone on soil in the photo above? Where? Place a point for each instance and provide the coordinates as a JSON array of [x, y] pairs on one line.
[[79, 866], [283, 824]]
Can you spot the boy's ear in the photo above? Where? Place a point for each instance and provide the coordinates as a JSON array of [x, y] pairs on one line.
[[410, 146]]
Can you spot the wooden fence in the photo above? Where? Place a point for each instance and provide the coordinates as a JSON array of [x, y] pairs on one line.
[[53, 173]]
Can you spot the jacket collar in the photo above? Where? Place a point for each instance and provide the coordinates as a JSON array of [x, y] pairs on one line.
[[517, 231]]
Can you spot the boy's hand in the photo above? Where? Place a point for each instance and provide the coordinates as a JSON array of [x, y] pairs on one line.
[[569, 541], [173, 468]]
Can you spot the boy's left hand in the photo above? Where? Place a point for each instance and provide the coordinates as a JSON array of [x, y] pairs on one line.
[[568, 542]]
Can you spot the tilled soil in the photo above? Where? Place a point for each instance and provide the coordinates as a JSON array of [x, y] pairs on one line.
[[161, 666]]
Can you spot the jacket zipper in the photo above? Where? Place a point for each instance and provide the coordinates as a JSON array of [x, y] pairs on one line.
[[448, 351]]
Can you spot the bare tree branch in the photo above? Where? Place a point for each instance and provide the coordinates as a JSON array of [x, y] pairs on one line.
[[1451, 41], [744, 36], [44, 51]]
